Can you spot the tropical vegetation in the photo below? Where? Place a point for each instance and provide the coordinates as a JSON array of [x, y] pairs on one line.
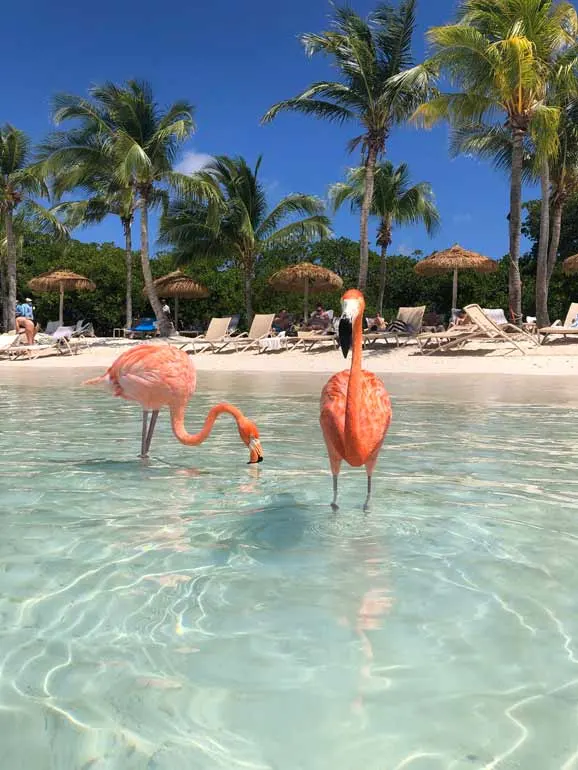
[[369, 55], [140, 142], [511, 68], [235, 226], [395, 201]]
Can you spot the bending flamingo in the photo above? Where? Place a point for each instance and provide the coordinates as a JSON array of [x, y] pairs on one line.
[[160, 375], [355, 406]]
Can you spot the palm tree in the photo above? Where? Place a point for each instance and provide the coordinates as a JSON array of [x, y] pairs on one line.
[[557, 174], [20, 183], [395, 202], [369, 55], [140, 141], [239, 228], [498, 56]]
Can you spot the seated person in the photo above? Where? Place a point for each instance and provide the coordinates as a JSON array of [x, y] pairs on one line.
[[282, 321], [377, 324], [319, 320], [461, 319]]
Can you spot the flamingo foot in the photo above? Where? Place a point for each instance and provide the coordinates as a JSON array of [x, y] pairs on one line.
[[334, 507]]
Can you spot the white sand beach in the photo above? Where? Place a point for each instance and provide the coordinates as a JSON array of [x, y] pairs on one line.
[[555, 359]]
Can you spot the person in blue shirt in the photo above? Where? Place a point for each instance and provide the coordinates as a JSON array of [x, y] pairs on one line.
[[27, 311]]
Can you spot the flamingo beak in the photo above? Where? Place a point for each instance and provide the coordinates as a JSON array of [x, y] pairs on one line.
[[255, 451], [345, 334]]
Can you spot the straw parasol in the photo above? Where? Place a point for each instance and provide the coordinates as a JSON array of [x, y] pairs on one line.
[[305, 277], [455, 259], [61, 281], [177, 285], [570, 264]]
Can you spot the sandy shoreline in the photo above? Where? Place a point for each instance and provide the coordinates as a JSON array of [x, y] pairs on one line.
[[552, 360]]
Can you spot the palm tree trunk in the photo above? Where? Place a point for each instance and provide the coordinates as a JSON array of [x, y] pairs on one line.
[[542, 266], [248, 297], [383, 240], [10, 271], [515, 283], [555, 232], [365, 210], [4, 292], [382, 278], [163, 322], [127, 227]]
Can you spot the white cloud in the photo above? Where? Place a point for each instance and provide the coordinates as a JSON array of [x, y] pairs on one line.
[[462, 219], [404, 249], [193, 161]]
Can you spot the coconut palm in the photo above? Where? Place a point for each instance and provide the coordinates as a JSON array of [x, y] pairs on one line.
[[557, 174], [369, 54], [21, 183], [498, 56], [240, 227], [140, 141], [395, 201]]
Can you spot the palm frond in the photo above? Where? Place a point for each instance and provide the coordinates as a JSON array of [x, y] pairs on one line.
[[291, 205], [317, 107], [310, 228]]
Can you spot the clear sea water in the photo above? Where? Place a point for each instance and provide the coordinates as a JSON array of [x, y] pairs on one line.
[[199, 613]]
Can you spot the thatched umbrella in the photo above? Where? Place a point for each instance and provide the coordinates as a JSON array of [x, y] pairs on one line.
[[179, 286], [570, 264], [455, 259], [307, 278], [61, 281]]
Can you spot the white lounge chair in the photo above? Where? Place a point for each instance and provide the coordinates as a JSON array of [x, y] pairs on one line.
[[217, 331], [481, 328], [565, 329], [260, 328]]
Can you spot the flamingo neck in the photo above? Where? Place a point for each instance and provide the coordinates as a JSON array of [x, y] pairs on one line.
[[193, 439], [353, 403]]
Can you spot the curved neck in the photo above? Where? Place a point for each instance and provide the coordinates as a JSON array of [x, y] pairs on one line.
[[193, 439], [354, 386]]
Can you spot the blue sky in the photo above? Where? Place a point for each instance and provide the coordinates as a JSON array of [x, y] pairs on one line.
[[232, 60]]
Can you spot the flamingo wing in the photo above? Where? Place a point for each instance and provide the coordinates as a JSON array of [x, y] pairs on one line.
[[375, 412]]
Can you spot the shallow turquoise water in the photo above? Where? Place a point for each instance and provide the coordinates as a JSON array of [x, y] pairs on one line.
[[201, 613]]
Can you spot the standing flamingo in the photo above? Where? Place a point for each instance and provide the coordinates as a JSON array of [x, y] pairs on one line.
[[355, 406], [160, 375]]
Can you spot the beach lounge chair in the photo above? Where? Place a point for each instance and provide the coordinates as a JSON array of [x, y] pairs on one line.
[[406, 326], [481, 328], [217, 331], [45, 343], [260, 328], [313, 339], [564, 329]]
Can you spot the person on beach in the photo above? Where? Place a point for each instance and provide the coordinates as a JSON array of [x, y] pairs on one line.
[[25, 309], [319, 320], [26, 326], [282, 321]]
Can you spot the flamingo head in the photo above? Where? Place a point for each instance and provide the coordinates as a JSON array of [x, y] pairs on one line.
[[352, 307], [249, 433]]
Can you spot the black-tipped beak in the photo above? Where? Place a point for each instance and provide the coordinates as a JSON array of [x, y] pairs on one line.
[[345, 334]]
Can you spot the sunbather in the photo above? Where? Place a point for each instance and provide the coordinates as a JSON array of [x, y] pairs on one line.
[[27, 327]]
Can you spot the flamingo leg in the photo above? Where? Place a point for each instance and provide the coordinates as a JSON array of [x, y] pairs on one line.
[[151, 430], [143, 441], [334, 505], [368, 498]]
